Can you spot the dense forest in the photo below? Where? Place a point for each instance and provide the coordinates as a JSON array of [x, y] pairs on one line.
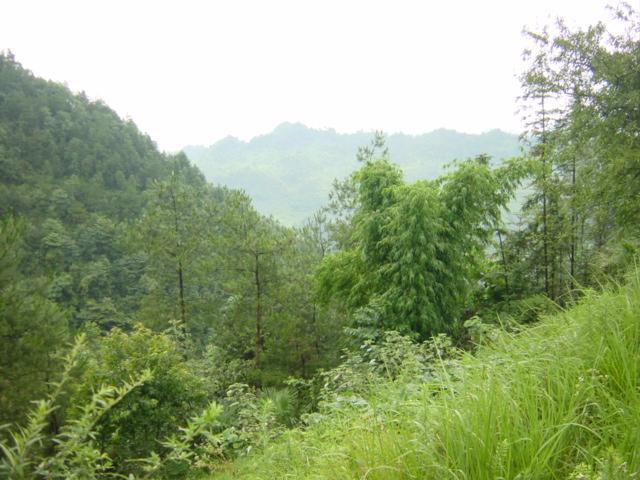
[[154, 325]]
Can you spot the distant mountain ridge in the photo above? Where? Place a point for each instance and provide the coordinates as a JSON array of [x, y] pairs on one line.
[[288, 173]]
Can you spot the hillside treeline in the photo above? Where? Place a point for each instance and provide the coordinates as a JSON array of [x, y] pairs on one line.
[[165, 327]]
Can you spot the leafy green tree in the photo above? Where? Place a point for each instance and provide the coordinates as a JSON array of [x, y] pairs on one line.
[[582, 207], [134, 428], [70, 451], [418, 247], [32, 329], [172, 233], [252, 244], [304, 334], [540, 99]]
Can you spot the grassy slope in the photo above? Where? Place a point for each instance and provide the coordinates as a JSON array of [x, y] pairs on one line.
[[559, 400]]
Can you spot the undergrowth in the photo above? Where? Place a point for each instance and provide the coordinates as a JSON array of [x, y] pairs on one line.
[[559, 400]]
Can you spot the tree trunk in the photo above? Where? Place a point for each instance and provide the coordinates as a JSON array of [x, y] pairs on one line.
[[315, 330], [258, 310], [183, 310], [504, 264], [545, 234], [572, 256]]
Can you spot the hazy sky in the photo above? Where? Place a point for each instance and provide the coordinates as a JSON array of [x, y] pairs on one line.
[[192, 72]]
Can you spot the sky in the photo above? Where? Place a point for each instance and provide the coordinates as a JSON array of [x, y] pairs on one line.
[[192, 72]]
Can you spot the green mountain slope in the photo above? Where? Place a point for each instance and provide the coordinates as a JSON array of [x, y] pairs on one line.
[[288, 172], [57, 147], [558, 400], [75, 173]]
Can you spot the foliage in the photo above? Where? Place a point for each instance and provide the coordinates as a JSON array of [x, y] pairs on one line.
[[210, 333], [580, 96], [32, 328], [417, 248], [71, 451], [557, 400], [133, 428], [196, 447], [391, 358], [75, 172], [172, 233]]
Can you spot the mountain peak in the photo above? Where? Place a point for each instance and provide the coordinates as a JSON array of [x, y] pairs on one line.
[[290, 127], [229, 140]]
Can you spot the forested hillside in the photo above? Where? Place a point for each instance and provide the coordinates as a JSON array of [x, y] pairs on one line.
[[73, 174], [289, 172], [153, 325]]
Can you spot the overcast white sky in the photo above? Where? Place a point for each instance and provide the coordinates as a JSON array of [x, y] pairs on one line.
[[192, 72]]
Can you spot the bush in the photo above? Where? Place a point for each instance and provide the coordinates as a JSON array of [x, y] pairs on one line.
[[36, 452], [559, 399], [137, 425]]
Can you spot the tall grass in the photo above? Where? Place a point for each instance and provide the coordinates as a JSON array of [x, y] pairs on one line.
[[559, 400]]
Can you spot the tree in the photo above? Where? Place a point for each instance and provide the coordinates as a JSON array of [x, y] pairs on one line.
[[583, 208], [304, 334], [540, 97], [32, 329], [418, 247], [134, 428], [172, 234], [252, 245]]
